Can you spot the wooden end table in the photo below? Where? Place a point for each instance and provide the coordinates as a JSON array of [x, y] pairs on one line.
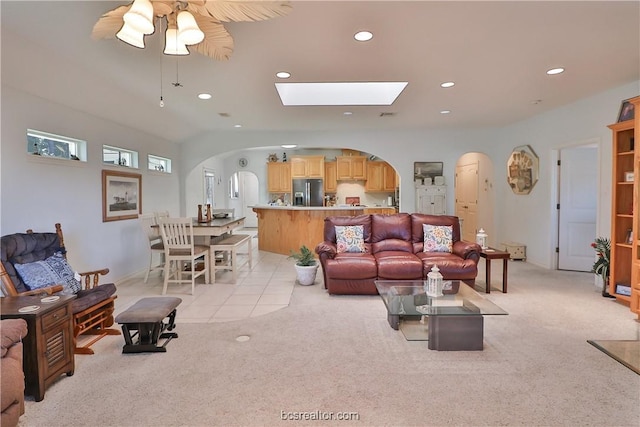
[[48, 350], [490, 254]]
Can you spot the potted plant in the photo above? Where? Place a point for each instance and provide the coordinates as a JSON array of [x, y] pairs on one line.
[[306, 265], [602, 246]]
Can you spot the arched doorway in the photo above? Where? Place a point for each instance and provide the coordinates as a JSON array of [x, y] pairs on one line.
[[244, 192]]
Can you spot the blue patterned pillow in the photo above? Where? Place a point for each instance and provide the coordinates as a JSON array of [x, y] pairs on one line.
[[52, 271], [350, 238], [437, 238]]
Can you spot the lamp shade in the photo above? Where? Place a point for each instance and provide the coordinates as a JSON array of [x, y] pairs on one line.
[[129, 35], [172, 43], [188, 29], [140, 16]]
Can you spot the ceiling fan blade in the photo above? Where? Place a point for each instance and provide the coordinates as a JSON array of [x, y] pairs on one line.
[[109, 24], [217, 43], [242, 10]]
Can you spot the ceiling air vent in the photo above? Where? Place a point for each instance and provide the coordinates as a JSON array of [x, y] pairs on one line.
[[387, 114], [224, 114]]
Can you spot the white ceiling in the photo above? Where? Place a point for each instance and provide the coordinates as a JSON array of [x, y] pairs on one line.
[[496, 52]]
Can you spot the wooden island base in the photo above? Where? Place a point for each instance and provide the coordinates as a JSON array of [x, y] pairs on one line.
[[282, 229]]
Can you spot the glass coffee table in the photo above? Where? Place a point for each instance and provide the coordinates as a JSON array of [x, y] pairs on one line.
[[453, 321]]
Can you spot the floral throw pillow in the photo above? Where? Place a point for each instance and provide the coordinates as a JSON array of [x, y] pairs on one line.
[[437, 238], [52, 271], [350, 238]]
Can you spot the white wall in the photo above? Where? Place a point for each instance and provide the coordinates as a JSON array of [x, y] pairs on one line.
[[530, 219], [37, 193]]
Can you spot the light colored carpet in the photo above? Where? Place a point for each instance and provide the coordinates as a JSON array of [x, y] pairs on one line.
[[338, 354], [626, 352]]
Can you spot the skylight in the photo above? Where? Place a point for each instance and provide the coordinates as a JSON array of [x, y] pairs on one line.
[[342, 93]]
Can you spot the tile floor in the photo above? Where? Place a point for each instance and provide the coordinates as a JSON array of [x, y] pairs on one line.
[[260, 290]]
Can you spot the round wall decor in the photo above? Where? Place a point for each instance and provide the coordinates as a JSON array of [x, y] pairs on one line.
[[522, 169], [242, 162]]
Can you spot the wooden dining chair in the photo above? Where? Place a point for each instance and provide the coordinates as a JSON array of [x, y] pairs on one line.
[[177, 236], [147, 221]]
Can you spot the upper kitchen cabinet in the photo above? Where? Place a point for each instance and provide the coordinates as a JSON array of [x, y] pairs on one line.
[[279, 177], [330, 177], [380, 177], [307, 166], [351, 167]]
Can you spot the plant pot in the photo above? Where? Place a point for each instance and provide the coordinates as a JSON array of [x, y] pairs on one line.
[[306, 274]]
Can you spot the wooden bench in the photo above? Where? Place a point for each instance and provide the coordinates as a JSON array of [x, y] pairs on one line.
[[230, 245], [146, 317]]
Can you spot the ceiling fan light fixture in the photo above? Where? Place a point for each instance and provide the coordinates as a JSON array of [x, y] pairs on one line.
[[129, 35], [140, 16], [188, 29], [173, 44]]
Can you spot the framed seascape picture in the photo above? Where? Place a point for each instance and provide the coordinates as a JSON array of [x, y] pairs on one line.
[[121, 195], [422, 170]]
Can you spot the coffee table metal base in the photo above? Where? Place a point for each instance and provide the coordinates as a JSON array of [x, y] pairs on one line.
[[456, 333]]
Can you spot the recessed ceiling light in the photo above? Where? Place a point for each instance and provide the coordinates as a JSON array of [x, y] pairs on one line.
[[445, 111], [554, 71], [204, 96], [447, 84], [363, 36], [237, 126], [288, 146], [283, 75], [347, 113]]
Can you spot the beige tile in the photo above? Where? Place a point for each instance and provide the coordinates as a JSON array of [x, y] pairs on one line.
[[261, 309], [278, 289], [249, 290], [274, 299], [233, 312], [242, 300], [197, 311]]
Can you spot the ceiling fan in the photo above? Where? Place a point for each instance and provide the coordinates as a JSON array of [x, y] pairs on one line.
[[195, 23]]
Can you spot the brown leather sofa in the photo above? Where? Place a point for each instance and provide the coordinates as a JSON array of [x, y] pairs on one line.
[[11, 373], [394, 247]]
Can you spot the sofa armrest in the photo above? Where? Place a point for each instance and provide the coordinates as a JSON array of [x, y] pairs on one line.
[[467, 250], [92, 278], [326, 250], [12, 331]]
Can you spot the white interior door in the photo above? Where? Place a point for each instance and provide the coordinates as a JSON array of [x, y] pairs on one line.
[[249, 186], [577, 216], [466, 190]]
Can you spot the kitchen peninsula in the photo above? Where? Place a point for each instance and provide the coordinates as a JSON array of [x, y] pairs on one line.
[[285, 228]]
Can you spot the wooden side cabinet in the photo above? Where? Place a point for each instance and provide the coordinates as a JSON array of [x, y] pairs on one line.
[[278, 177], [48, 346]]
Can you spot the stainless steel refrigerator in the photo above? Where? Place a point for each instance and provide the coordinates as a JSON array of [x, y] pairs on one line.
[[308, 192]]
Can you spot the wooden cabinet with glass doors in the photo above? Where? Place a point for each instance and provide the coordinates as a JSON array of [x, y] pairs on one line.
[[625, 218]]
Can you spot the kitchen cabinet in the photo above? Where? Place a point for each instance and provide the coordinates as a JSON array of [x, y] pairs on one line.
[[330, 177], [307, 167], [381, 177], [278, 177], [351, 168]]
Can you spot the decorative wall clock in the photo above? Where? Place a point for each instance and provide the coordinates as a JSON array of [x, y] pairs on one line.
[[522, 169], [242, 162]]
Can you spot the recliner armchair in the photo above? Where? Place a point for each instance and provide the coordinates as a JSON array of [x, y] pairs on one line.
[[94, 303]]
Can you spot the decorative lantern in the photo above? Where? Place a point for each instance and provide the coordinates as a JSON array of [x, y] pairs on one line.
[[434, 282], [481, 239]]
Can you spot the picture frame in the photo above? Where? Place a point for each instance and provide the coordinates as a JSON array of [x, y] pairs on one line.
[[629, 176], [121, 195], [423, 170], [626, 111], [629, 239], [522, 170]]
